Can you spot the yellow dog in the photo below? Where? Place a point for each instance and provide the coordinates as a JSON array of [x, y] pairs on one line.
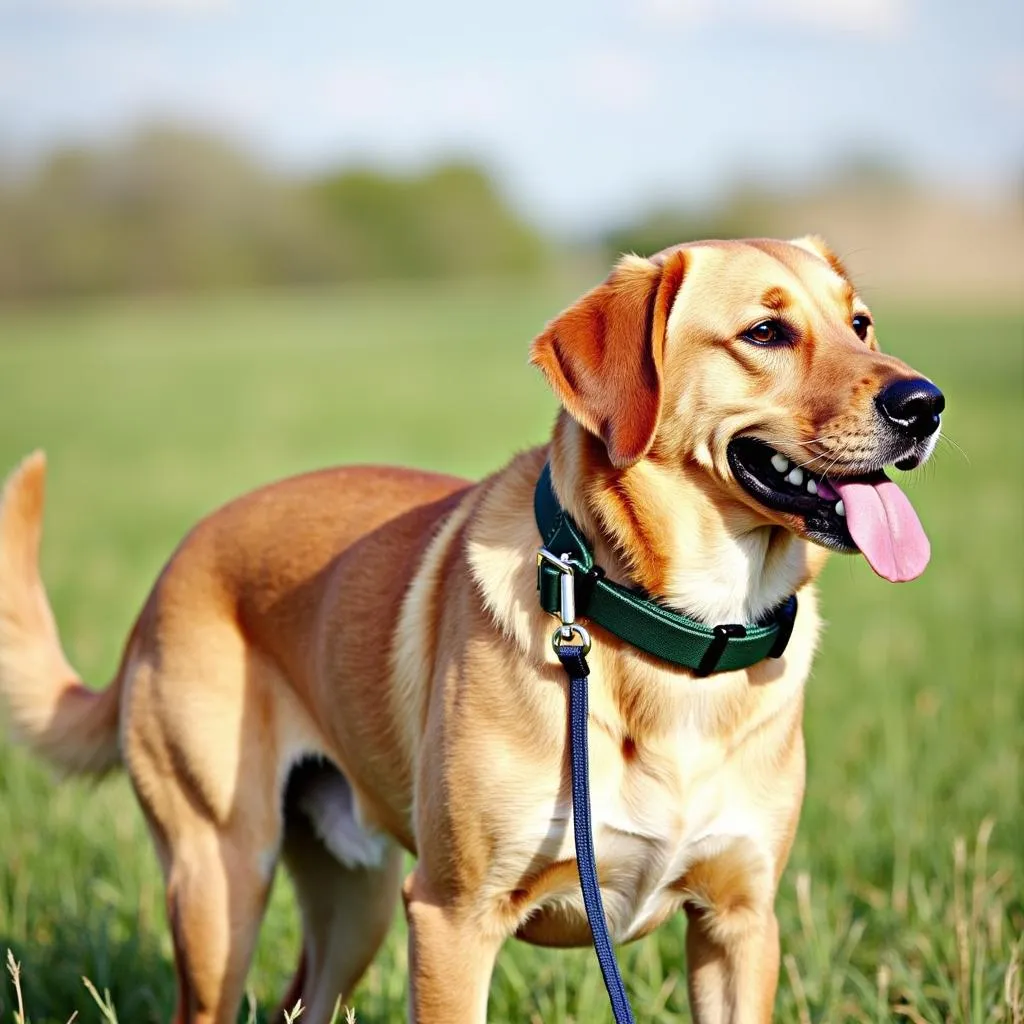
[[353, 663]]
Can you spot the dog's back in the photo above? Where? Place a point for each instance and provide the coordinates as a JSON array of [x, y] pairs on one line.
[[260, 563]]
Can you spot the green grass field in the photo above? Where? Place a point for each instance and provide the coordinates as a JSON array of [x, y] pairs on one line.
[[903, 897]]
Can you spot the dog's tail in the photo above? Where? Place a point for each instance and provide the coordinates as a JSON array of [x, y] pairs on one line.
[[74, 727]]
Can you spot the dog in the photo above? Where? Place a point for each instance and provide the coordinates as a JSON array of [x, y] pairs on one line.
[[351, 664]]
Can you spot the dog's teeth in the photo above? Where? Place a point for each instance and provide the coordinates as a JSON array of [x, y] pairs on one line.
[[796, 476], [840, 508], [812, 487], [780, 462]]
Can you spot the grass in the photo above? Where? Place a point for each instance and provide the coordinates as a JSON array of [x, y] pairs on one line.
[[903, 896]]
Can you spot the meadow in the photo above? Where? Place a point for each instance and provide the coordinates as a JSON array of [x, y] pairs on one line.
[[904, 895]]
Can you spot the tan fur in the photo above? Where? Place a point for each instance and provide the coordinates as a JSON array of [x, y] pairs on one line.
[[385, 623], [73, 727]]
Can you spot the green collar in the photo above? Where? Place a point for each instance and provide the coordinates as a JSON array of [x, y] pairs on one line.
[[631, 615]]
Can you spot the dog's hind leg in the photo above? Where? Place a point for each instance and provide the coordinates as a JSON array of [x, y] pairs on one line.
[[216, 896], [347, 882], [206, 735]]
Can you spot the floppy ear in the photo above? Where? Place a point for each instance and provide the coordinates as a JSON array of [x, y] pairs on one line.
[[603, 355]]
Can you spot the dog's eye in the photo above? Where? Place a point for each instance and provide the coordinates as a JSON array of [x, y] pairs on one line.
[[860, 323], [768, 332]]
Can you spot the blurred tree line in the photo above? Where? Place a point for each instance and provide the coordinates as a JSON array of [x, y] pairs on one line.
[[894, 233], [755, 209], [171, 208]]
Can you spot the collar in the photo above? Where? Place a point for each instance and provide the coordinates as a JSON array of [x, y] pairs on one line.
[[633, 616]]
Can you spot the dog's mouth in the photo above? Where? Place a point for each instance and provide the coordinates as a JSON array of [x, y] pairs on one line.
[[867, 513]]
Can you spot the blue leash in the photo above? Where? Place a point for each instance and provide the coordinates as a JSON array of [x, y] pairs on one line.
[[573, 661]]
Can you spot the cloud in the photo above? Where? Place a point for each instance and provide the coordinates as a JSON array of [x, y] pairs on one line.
[[880, 19]]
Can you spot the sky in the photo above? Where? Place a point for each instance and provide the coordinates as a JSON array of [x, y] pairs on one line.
[[589, 111]]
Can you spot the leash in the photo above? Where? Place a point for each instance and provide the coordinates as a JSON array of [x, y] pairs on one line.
[[572, 657], [572, 581]]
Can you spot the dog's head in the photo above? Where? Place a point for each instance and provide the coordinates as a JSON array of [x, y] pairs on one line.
[[755, 363]]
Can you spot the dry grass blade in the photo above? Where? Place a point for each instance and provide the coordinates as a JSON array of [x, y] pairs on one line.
[[350, 1013], [883, 980], [250, 1004], [105, 1003], [962, 926], [799, 992], [908, 1011], [1013, 989], [14, 970], [803, 904], [296, 1012]]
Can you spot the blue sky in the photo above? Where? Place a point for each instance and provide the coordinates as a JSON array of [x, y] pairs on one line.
[[589, 110]]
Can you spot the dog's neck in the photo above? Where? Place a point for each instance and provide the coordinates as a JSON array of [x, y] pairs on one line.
[[670, 529]]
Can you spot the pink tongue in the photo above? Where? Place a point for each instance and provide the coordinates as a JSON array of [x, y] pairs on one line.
[[885, 527]]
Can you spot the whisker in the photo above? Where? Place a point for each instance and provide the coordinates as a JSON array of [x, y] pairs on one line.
[[818, 458], [952, 444], [809, 463], [814, 440], [842, 451], [826, 455]]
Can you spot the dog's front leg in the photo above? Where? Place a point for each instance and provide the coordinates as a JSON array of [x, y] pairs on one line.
[[451, 956], [732, 965]]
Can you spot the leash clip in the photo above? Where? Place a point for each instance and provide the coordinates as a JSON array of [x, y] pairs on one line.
[[566, 600]]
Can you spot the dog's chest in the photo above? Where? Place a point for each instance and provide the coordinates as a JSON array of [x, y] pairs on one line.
[[656, 812]]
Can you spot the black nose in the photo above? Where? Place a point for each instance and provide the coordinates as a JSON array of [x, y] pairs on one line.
[[912, 405]]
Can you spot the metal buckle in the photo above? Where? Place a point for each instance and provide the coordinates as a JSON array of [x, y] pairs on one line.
[[566, 600]]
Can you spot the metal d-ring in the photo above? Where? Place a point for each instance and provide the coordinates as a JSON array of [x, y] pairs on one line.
[[563, 634]]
